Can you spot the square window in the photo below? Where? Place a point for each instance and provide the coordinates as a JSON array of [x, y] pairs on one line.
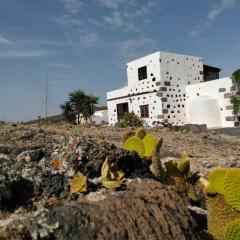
[[144, 111], [142, 73]]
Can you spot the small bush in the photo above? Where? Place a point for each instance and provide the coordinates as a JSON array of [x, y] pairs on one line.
[[235, 100], [130, 120]]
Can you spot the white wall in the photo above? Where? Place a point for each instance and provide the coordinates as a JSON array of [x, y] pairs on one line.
[[178, 71], [153, 74], [121, 92], [100, 117], [209, 103]]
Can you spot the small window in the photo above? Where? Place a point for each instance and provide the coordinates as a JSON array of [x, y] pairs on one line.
[[144, 111], [142, 73]]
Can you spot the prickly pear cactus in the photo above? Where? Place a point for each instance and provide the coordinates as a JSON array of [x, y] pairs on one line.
[[159, 144], [184, 164], [172, 176], [232, 231], [216, 180], [127, 135], [134, 144], [149, 143], [223, 203], [231, 185], [140, 133], [141, 142]]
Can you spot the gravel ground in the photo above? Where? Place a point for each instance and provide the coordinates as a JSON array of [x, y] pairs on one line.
[[37, 163], [206, 149]]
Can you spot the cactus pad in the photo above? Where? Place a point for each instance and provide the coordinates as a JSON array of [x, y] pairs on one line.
[[149, 142], [232, 231], [216, 178], [127, 135], [140, 133], [159, 144], [134, 144], [184, 164], [219, 215], [232, 187]]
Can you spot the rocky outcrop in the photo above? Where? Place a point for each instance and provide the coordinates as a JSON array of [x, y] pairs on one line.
[[144, 210]]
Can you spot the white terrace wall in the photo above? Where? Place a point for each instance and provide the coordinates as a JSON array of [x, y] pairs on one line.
[[209, 103], [178, 71]]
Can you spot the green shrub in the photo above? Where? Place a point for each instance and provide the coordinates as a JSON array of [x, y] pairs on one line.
[[235, 100], [131, 120]]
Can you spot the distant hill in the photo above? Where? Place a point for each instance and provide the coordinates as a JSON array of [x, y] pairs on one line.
[[50, 119]]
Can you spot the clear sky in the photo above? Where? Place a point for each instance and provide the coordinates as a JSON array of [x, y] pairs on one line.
[[85, 44]]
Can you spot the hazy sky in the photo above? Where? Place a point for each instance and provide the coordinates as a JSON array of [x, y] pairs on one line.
[[86, 43]]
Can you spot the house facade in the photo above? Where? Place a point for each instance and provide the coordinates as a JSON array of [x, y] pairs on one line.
[[173, 88], [99, 117]]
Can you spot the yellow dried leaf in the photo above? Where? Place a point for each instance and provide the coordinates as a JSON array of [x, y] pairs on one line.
[[105, 168], [111, 184], [78, 183], [111, 177]]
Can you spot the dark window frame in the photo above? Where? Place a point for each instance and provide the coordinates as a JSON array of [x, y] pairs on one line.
[[144, 111], [142, 73]]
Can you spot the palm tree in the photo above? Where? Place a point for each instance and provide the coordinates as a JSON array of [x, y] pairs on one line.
[[79, 105], [68, 112], [89, 107], [77, 98]]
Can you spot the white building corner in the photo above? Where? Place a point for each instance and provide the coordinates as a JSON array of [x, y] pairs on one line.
[[173, 88]]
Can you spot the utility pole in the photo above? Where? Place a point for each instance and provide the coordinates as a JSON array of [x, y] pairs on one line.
[[46, 98]]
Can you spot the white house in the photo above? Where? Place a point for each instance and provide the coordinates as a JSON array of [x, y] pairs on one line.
[[179, 89], [100, 116]]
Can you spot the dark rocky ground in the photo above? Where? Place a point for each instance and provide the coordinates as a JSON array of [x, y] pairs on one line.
[[38, 161]]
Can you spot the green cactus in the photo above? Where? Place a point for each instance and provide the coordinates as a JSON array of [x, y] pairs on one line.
[[159, 144], [156, 167], [131, 142], [219, 215], [127, 135], [209, 189], [231, 185], [171, 167], [216, 178], [224, 206], [140, 133], [191, 192], [134, 144], [232, 230], [149, 143], [184, 164]]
